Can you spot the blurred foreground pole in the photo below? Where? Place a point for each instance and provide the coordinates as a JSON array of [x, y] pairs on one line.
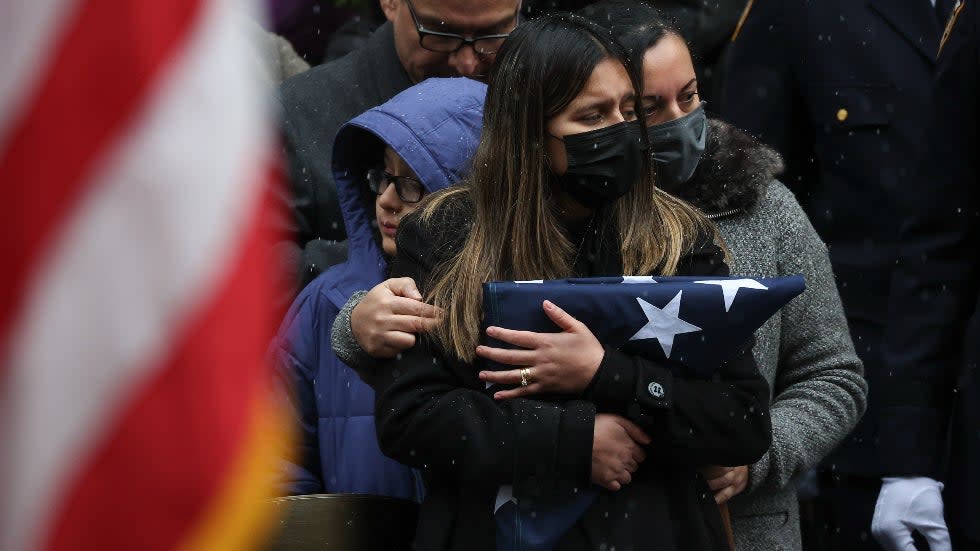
[[135, 304]]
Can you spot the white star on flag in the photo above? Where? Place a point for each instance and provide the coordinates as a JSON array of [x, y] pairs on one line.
[[638, 279], [663, 324], [730, 288]]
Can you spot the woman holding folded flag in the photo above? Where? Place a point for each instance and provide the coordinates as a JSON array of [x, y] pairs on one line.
[[561, 187]]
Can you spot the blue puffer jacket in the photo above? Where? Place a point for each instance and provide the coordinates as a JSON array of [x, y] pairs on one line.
[[435, 127]]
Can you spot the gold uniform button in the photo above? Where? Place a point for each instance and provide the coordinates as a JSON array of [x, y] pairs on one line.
[[842, 115]]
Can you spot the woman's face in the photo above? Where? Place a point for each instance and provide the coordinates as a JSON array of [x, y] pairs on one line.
[[606, 99], [670, 86]]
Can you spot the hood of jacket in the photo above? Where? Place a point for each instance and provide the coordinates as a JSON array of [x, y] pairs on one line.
[[433, 126], [732, 173]]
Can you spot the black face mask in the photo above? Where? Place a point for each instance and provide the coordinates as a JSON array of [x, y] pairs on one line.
[[677, 147], [603, 164]]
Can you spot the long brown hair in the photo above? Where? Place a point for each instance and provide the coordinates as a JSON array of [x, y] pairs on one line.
[[516, 232]]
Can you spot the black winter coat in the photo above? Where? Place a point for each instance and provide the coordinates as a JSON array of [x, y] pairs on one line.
[[433, 413]]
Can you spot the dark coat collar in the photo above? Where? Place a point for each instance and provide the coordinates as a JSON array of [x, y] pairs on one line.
[[732, 173], [915, 21], [383, 68]]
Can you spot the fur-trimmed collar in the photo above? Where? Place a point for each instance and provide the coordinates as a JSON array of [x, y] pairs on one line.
[[732, 173]]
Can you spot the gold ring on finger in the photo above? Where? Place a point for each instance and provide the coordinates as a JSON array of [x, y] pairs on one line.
[[525, 376]]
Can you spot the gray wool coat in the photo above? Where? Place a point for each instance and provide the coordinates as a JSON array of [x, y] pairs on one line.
[[805, 351]]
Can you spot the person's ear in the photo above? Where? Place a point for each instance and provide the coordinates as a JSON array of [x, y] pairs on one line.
[[390, 8]]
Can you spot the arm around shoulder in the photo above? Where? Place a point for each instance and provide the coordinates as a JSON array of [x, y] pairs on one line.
[[342, 339], [432, 412]]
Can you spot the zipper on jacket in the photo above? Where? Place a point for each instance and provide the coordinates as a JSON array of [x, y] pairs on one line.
[[725, 214]]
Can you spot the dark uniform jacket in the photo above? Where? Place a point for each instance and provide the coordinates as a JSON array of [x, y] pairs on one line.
[[841, 88], [315, 104], [933, 339], [433, 413]]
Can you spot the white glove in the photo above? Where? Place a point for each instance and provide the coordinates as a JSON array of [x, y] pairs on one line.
[[907, 504]]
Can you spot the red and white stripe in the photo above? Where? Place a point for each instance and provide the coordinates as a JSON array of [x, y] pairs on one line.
[[134, 158]]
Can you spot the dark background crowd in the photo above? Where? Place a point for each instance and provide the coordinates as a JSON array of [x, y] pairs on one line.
[[872, 107]]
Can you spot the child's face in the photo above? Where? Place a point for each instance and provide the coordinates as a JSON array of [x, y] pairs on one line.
[[389, 208]]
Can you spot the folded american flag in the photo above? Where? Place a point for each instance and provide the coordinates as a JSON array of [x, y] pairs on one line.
[[689, 324]]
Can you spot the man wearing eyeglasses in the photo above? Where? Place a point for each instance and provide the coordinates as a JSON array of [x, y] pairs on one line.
[[422, 39]]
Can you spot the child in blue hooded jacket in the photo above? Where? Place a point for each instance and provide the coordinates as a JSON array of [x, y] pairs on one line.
[[384, 162]]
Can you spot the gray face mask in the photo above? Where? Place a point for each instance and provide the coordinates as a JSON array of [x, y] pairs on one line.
[[677, 147]]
